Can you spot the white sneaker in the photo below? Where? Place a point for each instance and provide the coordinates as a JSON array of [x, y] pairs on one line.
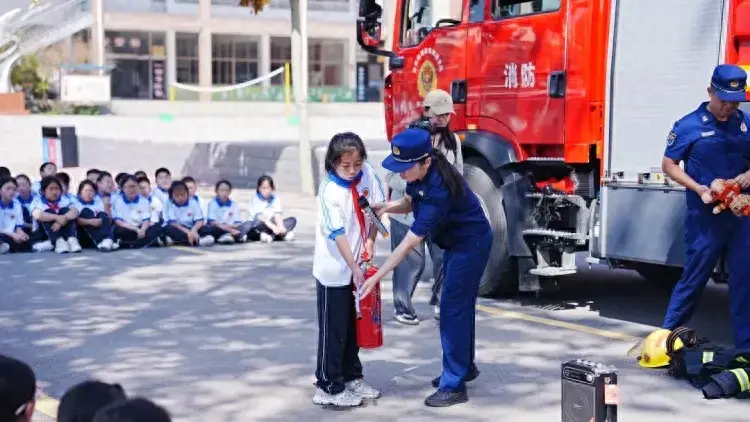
[[170, 242], [266, 238], [226, 238], [61, 246], [115, 245], [44, 246], [74, 245], [343, 399], [105, 245], [4, 248], [436, 312], [243, 239], [206, 241], [360, 389], [289, 236]]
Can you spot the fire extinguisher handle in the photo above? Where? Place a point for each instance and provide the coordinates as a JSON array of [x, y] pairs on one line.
[[356, 302]]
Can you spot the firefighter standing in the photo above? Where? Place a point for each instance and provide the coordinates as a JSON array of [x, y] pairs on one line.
[[714, 143]]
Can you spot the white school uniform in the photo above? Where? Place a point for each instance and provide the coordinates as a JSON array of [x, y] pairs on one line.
[[186, 215], [156, 208], [223, 212], [11, 216], [161, 194], [42, 204], [202, 204], [96, 205], [260, 206], [36, 187], [26, 203], [133, 212], [336, 216]]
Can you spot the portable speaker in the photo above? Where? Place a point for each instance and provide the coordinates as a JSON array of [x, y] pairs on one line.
[[589, 392]]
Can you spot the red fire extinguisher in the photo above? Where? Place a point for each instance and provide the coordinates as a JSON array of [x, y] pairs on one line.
[[369, 321]]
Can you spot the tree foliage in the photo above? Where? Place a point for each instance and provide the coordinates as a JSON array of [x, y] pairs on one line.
[[256, 5], [26, 74]]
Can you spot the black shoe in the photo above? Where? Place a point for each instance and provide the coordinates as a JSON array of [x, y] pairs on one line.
[[471, 376], [446, 398]]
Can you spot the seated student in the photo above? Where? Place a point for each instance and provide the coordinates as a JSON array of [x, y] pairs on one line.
[[224, 216], [104, 188], [118, 182], [183, 218], [4, 172], [163, 183], [64, 179], [12, 236], [265, 210], [92, 175], [81, 402], [94, 224], [132, 215], [133, 410], [26, 198], [193, 192], [144, 185], [54, 219], [140, 173], [46, 169], [17, 390]]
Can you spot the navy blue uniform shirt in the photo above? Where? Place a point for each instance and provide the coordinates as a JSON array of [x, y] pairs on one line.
[[711, 149], [450, 223]]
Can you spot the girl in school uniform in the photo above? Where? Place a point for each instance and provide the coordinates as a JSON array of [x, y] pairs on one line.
[[26, 198], [54, 219], [144, 185], [131, 213], [12, 236], [104, 188], [94, 224], [339, 243], [224, 216], [183, 218], [193, 192], [266, 212]]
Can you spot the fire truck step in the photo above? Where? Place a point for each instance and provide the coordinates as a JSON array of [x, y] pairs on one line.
[[553, 271], [557, 234]]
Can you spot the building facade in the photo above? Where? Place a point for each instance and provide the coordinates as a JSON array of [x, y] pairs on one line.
[[209, 43]]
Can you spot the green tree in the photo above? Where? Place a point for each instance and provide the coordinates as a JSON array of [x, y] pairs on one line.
[[26, 74]]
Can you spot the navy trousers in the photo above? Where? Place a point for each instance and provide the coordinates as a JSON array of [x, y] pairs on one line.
[[463, 268], [89, 236], [706, 237], [45, 232]]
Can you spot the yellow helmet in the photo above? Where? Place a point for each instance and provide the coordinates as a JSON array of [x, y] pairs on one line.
[[655, 350]]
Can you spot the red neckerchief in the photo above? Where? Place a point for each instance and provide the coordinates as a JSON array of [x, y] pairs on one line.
[[357, 209], [54, 206]]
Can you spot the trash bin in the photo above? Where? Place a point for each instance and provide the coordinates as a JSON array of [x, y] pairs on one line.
[[60, 145]]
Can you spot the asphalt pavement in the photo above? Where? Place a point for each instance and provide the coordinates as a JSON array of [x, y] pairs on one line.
[[228, 334]]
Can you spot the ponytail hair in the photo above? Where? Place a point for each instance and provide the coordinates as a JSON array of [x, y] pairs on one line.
[[451, 177], [446, 139]]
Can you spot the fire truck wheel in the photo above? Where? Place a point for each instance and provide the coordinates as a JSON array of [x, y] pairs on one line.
[[661, 275], [500, 275]]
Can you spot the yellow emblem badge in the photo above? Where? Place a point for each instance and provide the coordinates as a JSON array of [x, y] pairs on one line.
[[734, 84], [427, 78], [396, 151]]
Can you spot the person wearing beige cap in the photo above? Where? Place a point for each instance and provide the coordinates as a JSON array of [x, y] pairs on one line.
[[437, 111]]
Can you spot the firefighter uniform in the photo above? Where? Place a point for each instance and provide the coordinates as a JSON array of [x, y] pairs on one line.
[[713, 149], [460, 228]]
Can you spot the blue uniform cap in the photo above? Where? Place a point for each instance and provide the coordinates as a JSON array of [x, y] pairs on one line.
[[729, 81], [407, 148]]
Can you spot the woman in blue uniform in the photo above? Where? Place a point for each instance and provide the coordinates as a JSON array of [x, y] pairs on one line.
[[448, 211]]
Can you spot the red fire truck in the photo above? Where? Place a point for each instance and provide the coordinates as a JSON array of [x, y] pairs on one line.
[[563, 108]]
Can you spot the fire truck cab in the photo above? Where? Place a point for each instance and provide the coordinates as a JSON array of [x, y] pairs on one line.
[[563, 108]]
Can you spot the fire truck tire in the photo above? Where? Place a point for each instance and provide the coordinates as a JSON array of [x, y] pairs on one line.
[[661, 275], [500, 276]]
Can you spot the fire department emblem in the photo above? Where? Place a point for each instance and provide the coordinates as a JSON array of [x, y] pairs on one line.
[[734, 84], [427, 78], [396, 151]]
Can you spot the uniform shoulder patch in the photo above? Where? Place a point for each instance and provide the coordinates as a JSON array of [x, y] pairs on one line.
[[671, 138]]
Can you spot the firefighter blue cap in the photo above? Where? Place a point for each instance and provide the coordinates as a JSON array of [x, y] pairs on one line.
[[407, 148], [729, 82]]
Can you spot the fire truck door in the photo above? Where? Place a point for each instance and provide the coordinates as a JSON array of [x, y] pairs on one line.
[[431, 43], [523, 52]]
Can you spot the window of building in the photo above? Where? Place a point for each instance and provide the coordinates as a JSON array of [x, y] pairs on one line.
[[326, 60], [139, 60], [187, 58], [235, 59], [281, 53], [504, 9]]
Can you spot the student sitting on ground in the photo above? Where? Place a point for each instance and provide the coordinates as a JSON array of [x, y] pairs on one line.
[[94, 224], [140, 173], [104, 188], [46, 169], [133, 410], [54, 217], [163, 183], [265, 210], [26, 198], [17, 390], [64, 179], [193, 192], [144, 186], [183, 218], [92, 175], [4, 172], [82, 401], [132, 216], [12, 236], [224, 216]]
